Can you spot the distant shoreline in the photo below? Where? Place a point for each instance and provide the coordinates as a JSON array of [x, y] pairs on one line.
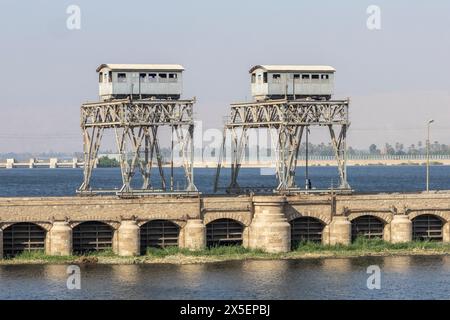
[[249, 164]]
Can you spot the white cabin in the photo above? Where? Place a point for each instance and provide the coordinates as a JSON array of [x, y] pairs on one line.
[[140, 81], [292, 82]]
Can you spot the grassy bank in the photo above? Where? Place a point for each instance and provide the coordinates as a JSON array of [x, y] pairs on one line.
[[175, 255]]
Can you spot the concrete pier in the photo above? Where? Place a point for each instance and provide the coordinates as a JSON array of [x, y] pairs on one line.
[[340, 231], [401, 229], [269, 230], [59, 239], [194, 235], [128, 243], [1, 244]]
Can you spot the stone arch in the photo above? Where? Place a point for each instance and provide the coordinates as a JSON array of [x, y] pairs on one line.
[[294, 214], [113, 224], [21, 237], [386, 217], [225, 231], [93, 235], [179, 223], [444, 216], [429, 226], [44, 225], [243, 218], [306, 229], [369, 226], [159, 233]]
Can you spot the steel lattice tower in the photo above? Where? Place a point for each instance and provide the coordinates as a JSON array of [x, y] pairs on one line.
[[289, 118], [135, 124]]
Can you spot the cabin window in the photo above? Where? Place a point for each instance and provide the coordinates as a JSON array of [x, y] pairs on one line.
[[100, 78], [259, 79], [163, 77], [152, 77], [315, 76], [265, 77], [142, 77], [253, 78], [110, 76], [121, 77], [276, 78], [172, 77], [324, 76], [305, 76], [296, 77]]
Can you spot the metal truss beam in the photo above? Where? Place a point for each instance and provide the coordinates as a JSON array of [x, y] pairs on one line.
[[135, 125], [288, 118]]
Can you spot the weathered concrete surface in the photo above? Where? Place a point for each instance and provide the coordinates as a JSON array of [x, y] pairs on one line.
[[128, 243], [59, 239], [194, 237], [340, 231], [264, 219], [269, 229], [401, 229]]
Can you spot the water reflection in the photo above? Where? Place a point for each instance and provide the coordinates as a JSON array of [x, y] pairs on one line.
[[414, 277], [337, 265], [398, 264], [128, 274]]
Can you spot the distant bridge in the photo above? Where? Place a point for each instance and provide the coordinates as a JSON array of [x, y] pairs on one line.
[[313, 160], [52, 163]]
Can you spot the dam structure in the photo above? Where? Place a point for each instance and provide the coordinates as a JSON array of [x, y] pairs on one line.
[[136, 100], [274, 223]]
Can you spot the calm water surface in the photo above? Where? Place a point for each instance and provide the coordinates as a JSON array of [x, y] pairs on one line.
[[330, 278], [402, 277], [63, 182]]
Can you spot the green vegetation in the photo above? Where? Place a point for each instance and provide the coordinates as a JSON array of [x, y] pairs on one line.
[[222, 251], [175, 255], [38, 257], [105, 162], [365, 246]]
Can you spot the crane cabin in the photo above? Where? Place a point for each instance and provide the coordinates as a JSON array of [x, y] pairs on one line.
[[292, 82], [140, 81]]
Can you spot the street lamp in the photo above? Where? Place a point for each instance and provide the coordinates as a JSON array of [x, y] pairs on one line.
[[428, 153], [307, 180]]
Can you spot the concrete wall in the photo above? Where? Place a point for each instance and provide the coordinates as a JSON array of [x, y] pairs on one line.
[[264, 219]]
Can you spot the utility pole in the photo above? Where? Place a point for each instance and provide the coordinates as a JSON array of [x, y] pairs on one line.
[[428, 153], [307, 180]]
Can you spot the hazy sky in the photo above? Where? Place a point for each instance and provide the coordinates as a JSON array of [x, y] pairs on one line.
[[397, 77]]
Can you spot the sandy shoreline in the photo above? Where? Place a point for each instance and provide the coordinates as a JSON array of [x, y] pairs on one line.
[[181, 259]]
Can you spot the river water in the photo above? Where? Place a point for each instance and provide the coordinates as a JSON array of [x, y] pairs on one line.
[[401, 277], [405, 277], [63, 182]]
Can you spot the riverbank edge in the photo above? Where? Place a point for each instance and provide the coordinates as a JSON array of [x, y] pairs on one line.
[[182, 259]]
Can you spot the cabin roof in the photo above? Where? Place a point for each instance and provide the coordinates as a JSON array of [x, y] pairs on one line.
[[287, 68], [146, 67]]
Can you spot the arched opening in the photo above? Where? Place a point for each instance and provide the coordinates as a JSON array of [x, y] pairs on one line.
[[224, 232], [92, 236], [159, 234], [306, 229], [23, 237], [369, 227], [427, 227]]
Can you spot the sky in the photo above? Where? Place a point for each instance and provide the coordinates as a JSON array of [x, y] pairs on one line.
[[397, 77]]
